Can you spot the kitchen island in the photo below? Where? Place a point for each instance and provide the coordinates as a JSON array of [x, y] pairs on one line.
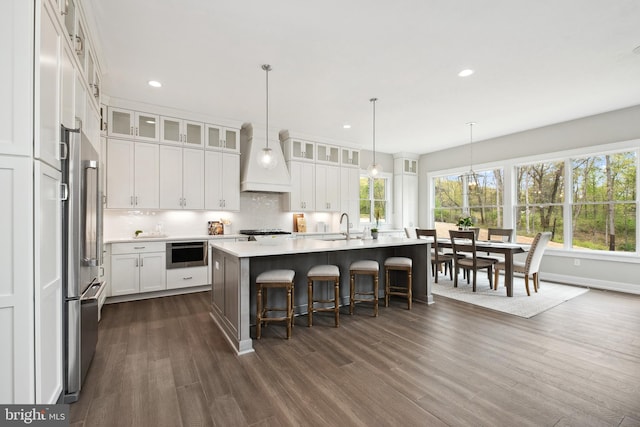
[[235, 266]]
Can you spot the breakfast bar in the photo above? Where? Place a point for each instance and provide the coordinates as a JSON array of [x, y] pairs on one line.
[[235, 266]]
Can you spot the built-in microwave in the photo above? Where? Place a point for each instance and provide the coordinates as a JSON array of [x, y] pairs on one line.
[[186, 254]]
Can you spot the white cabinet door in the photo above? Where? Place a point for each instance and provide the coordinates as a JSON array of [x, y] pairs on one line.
[[120, 170], [47, 142], [16, 279], [125, 274], [179, 131], [17, 82], [48, 296], [124, 123], [302, 195], [231, 181], [146, 176], [193, 133], [67, 101], [153, 275], [170, 177], [222, 181], [193, 179], [327, 188], [221, 138], [350, 193]]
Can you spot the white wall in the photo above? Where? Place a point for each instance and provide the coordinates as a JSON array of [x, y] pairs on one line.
[[607, 128]]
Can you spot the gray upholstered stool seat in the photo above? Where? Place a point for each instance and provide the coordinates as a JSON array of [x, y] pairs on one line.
[[365, 268], [326, 274], [274, 279], [404, 290]]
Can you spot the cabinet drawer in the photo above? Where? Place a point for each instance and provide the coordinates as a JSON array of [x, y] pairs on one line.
[[186, 277], [134, 248]]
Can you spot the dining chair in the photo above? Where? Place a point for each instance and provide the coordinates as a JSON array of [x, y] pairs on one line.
[[500, 235], [438, 258], [465, 242], [531, 265]]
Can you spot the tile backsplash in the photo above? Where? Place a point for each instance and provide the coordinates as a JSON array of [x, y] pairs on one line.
[[257, 210]]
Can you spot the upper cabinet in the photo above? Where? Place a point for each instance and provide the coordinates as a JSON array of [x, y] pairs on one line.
[[295, 149], [183, 132], [132, 124], [328, 154], [350, 157], [221, 138]]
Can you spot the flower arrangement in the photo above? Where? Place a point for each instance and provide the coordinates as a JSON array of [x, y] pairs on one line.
[[465, 222], [377, 216]]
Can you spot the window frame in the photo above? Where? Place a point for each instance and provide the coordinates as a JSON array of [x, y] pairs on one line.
[[388, 177]]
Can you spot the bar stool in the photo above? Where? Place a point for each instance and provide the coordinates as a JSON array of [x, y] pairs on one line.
[[327, 274], [367, 268], [273, 279], [399, 264]]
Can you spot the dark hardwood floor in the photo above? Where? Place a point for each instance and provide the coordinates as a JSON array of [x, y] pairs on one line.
[[163, 362]]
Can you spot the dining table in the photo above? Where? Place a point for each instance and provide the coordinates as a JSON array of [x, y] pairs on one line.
[[507, 249]]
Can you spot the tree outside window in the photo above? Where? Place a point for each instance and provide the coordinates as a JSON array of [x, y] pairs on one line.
[[479, 196], [540, 198], [604, 203], [373, 200]]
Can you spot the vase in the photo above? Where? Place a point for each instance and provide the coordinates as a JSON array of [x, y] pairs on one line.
[[374, 235]]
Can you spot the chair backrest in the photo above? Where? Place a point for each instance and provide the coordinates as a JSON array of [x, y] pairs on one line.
[[463, 241], [429, 232], [502, 234], [476, 231], [534, 257], [410, 232]]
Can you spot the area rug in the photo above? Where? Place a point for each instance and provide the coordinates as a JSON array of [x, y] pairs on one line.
[[549, 295]]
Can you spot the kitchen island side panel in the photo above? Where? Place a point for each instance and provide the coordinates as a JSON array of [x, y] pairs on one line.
[[236, 282]]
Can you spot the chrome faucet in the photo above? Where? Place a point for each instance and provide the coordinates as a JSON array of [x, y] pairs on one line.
[[342, 216]]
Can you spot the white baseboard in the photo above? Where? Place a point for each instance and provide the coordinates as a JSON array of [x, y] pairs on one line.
[[591, 283], [158, 294]]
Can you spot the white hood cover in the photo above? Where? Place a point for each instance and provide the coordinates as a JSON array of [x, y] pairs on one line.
[[252, 176]]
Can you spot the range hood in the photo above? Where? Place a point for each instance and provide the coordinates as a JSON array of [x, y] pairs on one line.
[[252, 176]]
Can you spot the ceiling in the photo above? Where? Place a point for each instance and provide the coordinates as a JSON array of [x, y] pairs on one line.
[[536, 63]]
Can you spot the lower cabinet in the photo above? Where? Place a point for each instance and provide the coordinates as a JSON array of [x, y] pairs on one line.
[[186, 277], [137, 268]]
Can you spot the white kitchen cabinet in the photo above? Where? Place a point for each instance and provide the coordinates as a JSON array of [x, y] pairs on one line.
[[138, 267], [179, 131], [186, 277], [329, 154], [222, 138], [327, 188], [132, 175], [298, 150], [405, 190], [47, 138], [222, 181], [132, 125], [48, 297], [350, 157], [17, 357], [182, 178], [302, 196], [350, 194], [68, 76]]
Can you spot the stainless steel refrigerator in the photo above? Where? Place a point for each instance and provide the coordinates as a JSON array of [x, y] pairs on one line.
[[82, 255]]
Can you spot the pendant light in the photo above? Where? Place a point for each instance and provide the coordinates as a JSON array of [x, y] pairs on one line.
[[374, 168], [471, 175], [267, 160]]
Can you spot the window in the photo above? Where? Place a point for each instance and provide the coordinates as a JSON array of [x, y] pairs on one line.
[[374, 199], [540, 200], [479, 196], [603, 210]]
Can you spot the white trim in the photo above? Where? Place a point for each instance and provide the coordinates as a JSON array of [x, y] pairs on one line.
[[158, 294], [591, 283]]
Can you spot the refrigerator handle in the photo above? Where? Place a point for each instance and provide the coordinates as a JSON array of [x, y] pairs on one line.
[[99, 216], [93, 262]]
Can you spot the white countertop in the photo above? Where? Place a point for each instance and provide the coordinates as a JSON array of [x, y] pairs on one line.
[[174, 238], [296, 246]]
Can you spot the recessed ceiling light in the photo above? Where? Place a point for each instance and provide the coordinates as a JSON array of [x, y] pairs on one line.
[[154, 83], [465, 73], [346, 126]]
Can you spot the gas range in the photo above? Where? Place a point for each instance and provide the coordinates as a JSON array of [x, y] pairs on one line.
[[264, 232]]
